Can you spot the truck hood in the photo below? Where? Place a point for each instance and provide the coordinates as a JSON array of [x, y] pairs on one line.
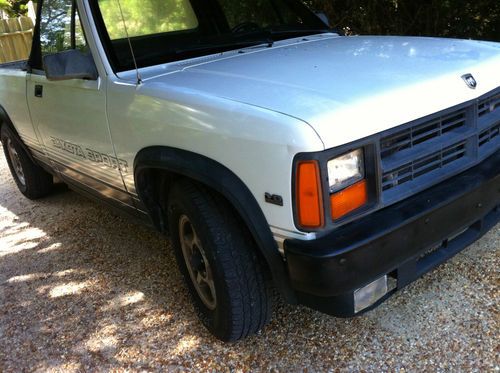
[[346, 88]]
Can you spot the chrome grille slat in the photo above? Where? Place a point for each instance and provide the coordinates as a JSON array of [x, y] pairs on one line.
[[423, 132], [420, 154], [490, 134], [453, 124], [412, 170], [409, 154], [489, 105]]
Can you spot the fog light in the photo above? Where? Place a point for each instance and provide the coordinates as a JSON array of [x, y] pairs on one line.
[[370, 294]]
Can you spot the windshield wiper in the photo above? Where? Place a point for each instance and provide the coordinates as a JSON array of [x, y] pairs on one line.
[[266, 41], [223, 47]]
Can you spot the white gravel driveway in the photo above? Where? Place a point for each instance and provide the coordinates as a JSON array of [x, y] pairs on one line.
[[82, 289]]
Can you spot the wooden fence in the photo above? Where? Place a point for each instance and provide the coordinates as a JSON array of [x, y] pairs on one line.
[[15, 39]]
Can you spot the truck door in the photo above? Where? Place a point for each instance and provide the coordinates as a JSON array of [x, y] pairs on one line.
[[70, 115]]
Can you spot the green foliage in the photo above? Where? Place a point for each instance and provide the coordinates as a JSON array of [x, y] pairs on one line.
[[474, 19], [14, 8], [147, 16], [55, 27]]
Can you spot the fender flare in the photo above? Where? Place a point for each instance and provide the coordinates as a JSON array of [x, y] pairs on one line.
[[4, 118], [221, 179], [5, 121]]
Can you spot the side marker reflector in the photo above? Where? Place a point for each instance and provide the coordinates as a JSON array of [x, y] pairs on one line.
[[309, 197]]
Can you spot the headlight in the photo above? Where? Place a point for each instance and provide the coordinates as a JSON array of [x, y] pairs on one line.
[[346, 170], [339, 187]]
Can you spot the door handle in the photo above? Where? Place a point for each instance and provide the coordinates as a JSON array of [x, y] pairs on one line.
[[38, 90]]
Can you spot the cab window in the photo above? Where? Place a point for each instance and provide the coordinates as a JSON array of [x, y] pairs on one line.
[[147, 17], [259, 13], [161, 31]]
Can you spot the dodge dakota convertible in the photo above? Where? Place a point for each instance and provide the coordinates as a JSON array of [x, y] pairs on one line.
[[280, 157]]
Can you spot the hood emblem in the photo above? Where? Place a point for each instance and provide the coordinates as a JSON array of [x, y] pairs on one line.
[[470, 81]]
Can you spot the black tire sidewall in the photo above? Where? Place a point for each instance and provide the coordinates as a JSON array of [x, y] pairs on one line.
[[38, 182], [6, 134], [215, 320]]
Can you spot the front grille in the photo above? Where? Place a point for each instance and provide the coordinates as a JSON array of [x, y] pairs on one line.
[[419, 134], [420, 154], [489, 105], [413, 170], [489, 135]]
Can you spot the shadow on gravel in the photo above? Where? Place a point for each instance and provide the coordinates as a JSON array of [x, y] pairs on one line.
[[84, 289], [78, 281]]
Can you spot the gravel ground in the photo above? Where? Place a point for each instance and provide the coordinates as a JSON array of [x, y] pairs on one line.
[[82, 289]]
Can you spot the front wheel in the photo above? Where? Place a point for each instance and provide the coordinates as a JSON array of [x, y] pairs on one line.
[[32, 180], [228, 281]]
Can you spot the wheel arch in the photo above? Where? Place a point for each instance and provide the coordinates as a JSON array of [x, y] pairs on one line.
[[6, 121], [4, 118], [170, 163]]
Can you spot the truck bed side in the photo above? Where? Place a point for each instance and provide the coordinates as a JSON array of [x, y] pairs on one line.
[[16, 65]]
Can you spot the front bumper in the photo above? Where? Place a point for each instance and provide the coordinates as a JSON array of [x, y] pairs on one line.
[[403, 241]]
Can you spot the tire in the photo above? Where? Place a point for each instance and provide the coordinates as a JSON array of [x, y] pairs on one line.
[[238, 302], [32, 180]]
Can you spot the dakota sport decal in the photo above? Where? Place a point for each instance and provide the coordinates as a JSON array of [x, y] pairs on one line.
[[90, 155]]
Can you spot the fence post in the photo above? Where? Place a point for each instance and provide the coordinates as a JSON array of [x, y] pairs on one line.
[[31, 11], [15, 39]]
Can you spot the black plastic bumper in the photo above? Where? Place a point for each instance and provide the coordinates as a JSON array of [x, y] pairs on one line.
[[396, 241]]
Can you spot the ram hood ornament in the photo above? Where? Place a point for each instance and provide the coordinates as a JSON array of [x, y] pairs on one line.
[[470, 81]]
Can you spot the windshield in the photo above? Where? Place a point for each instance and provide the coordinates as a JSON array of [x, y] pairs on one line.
[[169, 30]]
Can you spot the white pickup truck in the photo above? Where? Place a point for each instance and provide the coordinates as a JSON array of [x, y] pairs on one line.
[[276, 153]]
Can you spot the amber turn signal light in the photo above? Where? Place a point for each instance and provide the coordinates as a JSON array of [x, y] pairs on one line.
[[309, 196], [349, 199]]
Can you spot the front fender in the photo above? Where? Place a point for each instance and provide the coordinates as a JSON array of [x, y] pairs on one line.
[[219, 178]]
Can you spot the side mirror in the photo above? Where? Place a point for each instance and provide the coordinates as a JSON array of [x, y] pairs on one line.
[[70, 64], [323, 17]]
